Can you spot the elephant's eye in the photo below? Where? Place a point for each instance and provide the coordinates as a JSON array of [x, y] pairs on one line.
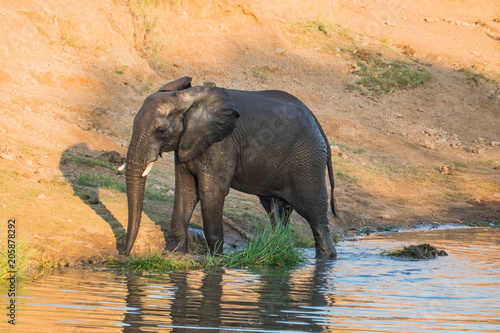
[[162, 131]]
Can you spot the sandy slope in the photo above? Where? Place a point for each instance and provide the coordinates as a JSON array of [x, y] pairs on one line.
[[77, 72]]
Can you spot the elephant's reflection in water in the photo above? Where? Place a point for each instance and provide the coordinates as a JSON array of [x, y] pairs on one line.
[[261, 298]]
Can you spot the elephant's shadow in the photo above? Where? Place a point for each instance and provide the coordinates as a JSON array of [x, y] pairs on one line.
[[88, 171]]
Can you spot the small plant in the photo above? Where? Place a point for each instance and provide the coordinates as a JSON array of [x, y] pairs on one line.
[[70, 39], [470, 75], [318, 25], [145, 87], [260, 75], [359, 150], [337, 238]]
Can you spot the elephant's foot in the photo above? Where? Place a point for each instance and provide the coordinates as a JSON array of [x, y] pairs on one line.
[[177, 246], [322, 254]]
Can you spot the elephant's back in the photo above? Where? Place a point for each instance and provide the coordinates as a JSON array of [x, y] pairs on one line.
[[266, 99], [278, 137]]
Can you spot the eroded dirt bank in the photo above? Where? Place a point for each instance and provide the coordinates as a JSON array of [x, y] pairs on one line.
[[73, 75]]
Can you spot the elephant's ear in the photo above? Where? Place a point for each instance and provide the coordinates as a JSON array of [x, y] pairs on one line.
[[210, 117], [179, 84]]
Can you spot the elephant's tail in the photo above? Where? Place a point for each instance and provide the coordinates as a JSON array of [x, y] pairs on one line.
[[329, 166], [330, 176]]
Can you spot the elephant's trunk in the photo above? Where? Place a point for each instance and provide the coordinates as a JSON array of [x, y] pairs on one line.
[[135, 197]]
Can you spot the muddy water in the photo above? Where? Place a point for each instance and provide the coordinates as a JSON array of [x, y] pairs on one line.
[[362, 291]]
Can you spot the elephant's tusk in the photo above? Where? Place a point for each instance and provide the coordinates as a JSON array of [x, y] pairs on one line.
[[122, 167], [148, 169]]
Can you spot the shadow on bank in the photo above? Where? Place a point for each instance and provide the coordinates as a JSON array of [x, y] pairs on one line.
[[88, 171]]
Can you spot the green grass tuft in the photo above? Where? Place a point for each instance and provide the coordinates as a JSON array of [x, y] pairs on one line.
[[86, 161], [272, 247], [470, 75], [152, 261], [260, 75], [157, 262], [93, 179]]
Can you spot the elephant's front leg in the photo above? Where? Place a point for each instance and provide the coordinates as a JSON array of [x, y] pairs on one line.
[[212, 198], [185, 201]]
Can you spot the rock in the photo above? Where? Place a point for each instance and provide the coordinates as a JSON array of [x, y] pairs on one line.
[[482, 141], [429, 145], [447, 170], [430, 19], [171, 193], [280, 51], [430, 132], [336, 151], [8, 157], [93, 201], [408, 50], [385, 217], [397, 115], [209, 84], [85, 197], [196, 235], [343, 156], [41, 197], [495, 143], [111, 157], [422, 251]]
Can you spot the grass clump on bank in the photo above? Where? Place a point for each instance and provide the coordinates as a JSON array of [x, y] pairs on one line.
[[272, 247], [22, 259], [85, 161], [379, 77], [152, 262], [93, 179]]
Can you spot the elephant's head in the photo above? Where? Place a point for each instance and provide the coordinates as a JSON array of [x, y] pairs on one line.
[[176, 118]]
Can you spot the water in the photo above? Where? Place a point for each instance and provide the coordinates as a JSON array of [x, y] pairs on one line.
[[360, 292]]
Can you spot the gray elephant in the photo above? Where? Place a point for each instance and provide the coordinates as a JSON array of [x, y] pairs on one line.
[[266, 143]]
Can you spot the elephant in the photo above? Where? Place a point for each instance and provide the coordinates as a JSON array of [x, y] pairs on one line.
[[266, 143]]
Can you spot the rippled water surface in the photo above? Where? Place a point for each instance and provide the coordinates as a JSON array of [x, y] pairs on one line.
[[361, 291]]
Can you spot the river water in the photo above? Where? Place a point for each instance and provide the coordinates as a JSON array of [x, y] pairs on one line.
[[360, 292]]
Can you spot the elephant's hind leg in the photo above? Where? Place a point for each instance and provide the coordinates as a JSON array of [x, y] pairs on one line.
[[279, 210], [313, 206]]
